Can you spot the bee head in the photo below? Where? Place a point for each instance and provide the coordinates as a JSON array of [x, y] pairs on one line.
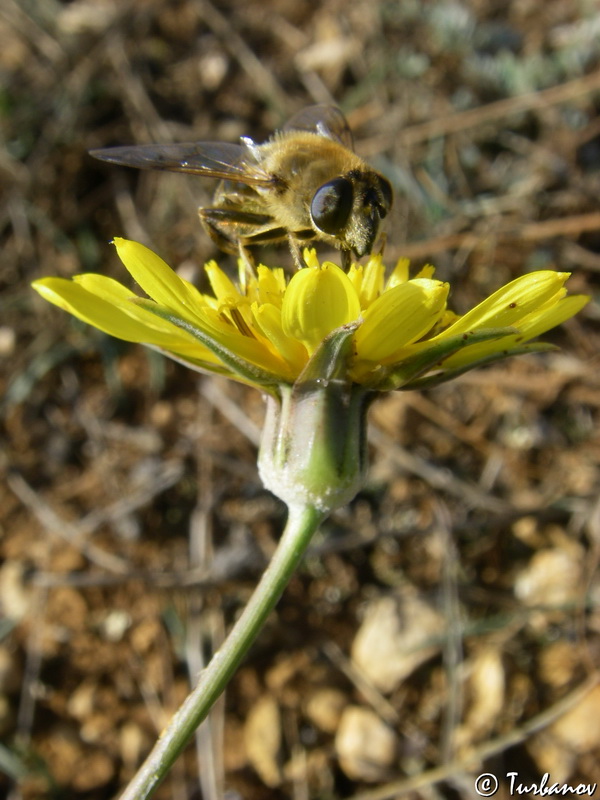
[[350, 209]]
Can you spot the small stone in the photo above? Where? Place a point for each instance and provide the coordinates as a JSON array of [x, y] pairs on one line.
[[398, 634], [366, 747], [262, 736]]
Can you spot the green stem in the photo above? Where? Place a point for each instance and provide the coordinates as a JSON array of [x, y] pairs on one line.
[[302, 523]]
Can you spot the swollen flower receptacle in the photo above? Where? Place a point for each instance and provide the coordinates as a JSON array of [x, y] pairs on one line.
[[313, 448]]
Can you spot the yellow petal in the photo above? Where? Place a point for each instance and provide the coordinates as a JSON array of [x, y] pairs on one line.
[[119, 296], [157, 279], [533, 325], [400, 316], [355, 276], [253, 350], [222, 286], [112, 312], [550, 316], [309, 254], [372, 281], [104, 287], [318, 300], [399, 273], [271, 285], [268, 319], [505, 307]]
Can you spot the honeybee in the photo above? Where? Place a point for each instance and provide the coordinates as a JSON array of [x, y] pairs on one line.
[[305, 183]]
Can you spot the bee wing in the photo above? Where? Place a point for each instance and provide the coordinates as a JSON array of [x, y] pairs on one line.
[[325, 120], [210, 159]]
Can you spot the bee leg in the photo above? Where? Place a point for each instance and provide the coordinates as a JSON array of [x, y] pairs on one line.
[[228, 226], [296, 251], [247, 264], [346, 260], [226, 243]]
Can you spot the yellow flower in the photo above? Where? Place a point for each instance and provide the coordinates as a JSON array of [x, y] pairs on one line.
[[321, 344], [266, 331]]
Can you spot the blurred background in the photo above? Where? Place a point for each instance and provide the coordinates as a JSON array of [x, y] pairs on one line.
[[447, 623]]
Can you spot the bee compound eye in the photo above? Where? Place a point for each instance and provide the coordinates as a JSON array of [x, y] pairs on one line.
[[331, 205]]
